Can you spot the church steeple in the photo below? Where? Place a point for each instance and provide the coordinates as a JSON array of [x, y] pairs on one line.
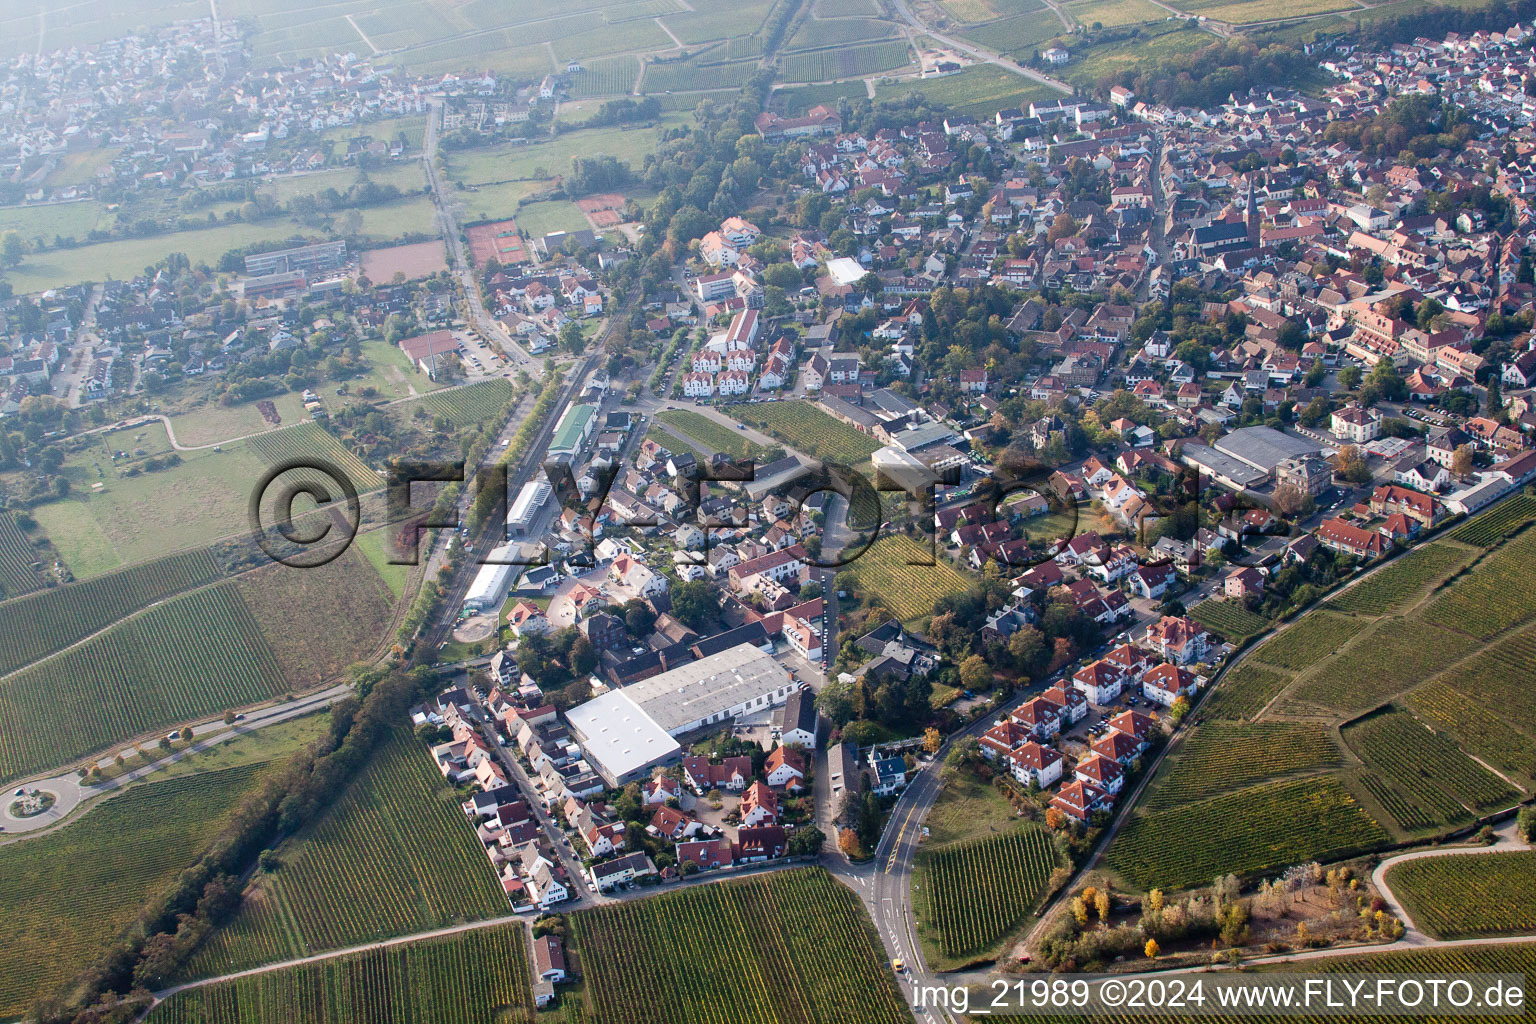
[[1253, 214]]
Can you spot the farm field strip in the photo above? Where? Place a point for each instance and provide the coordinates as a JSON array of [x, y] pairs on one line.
[[1220, 755], [1313, 638], [1426, 767], [393, 855], [1380, 663], [472, 403], [17, 576], [1247, 830], [790, 945], [1509, 518], [58, 617], [908, 590], [1491, 597], [1493, 738], [479, 977], [711, 434], [192, 656], [1391, 588], [1228, 618], [1244, 691], [979, 890], [1470, 896], [311, 441], [67, 892], [803, 426]]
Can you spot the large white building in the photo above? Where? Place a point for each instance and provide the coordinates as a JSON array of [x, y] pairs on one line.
[[625, 733], [489, 589], [525, 509], [619, 740]]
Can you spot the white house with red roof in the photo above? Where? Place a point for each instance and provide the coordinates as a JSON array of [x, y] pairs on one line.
[[1167, 683], [1102, 772], [759, 806], [1117, 746], [785, 768], [1099, 681], [1033, 763], [1039, 717], [1070, 703], [1179, 639], [1003, 738], [1078, 800]]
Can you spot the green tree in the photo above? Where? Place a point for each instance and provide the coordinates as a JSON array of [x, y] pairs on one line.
[[12, 248], [694, 604]]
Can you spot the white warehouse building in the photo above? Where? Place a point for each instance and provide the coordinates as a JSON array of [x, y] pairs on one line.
[[492, 581], [624, 733], [525, 509]]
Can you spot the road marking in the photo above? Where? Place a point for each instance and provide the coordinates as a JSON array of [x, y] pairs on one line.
[[890, 865]]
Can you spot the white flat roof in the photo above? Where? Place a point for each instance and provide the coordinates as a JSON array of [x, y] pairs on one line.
[[845, 270], [708, 686], [620, 737]]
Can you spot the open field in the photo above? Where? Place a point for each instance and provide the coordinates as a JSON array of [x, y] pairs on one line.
[[92, 21], [547, 157], [974, 893], [212, 422], [787, 945], [67, 893], [392, 855], [1247, 830], [908, 590], [967, 808], [711, 434], [1219, 756], [17, 560], [318, 621], [1469, 897], [43, 223], [58, 617], [125, 258], [479, 977], [134, 519], [1156, 43], [980, 91], [373, 545], [193, 655], [1243, 12], [1437, 783], [797, 99], [804, 426], [1112, 13], [1401, 584], [1244, 691], [417, 260], [540, 219], [1228, 618]]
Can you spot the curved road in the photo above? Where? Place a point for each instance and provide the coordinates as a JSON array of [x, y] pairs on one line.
[[1509, 842], [69, 793], [976, 53]]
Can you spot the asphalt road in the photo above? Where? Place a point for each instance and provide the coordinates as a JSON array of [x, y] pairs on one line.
[[69, 793]]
